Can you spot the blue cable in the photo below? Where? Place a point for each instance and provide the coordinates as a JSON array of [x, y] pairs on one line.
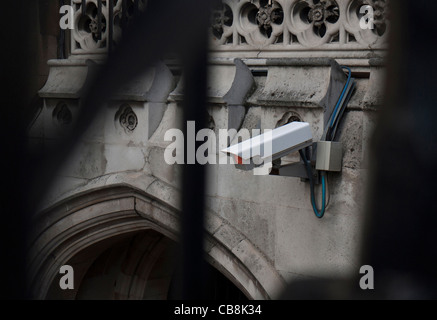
[[342, 94], [313, 200], [321, 213]]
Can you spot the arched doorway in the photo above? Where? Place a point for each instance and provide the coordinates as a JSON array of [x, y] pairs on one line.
[[122, 239], [134, 266]]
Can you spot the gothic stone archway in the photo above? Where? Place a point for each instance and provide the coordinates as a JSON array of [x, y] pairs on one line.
[[105, 219]]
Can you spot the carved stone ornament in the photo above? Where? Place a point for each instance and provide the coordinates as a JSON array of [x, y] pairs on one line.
[[128, 120]]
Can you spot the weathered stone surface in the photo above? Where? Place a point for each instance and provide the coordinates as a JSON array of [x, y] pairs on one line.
[[212, 221], [350, 134], [88, 161], [261, 229], [159, 168], [171, 120], [167, 222], [285, 87], [271, 281], [375, 93], [255, 220], [370, 119], [269, 190], [123, 158], [231, 266], [66, 79], [344, 189], [320, 248], [228, 236]]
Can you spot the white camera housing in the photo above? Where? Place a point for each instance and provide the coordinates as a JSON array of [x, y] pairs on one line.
[[271, 145]]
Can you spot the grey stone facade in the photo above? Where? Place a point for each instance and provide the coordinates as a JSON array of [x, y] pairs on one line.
[[261, 232]]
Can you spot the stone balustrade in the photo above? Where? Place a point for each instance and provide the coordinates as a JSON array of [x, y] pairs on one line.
[[291, 28]]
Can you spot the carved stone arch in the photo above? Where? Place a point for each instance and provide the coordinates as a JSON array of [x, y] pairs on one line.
[[86, 219]]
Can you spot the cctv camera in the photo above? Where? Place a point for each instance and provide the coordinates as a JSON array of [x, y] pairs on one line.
[[270, 145]]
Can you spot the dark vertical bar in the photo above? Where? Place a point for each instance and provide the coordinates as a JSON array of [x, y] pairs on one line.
[[99, 19], [193, 184], [123, 15], [83, 7], [61, 45], [401, 232], [110, 25], [136, 8], [17, 73]]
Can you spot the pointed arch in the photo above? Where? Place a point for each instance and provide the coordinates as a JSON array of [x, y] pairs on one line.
[[85, 219]]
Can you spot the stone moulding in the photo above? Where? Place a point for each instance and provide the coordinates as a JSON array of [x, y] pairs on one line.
[[68, 79], [230, 84], [284, 84], [72, 224]]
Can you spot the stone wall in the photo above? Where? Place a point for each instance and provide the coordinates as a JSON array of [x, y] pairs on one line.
[[261, 229]]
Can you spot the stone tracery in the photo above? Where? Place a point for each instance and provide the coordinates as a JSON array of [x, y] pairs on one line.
[[283, 25]]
